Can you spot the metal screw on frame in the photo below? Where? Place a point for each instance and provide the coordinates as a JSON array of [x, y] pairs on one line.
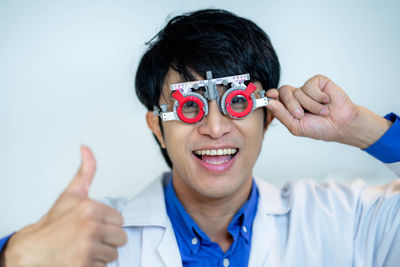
[[163, 107]]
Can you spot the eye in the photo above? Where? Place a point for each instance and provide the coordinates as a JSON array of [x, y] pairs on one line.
[[190, 109], [238, 103]]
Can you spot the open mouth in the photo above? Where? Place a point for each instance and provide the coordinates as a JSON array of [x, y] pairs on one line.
[[216, 156]]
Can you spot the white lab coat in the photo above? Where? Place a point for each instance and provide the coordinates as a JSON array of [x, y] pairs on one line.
[[304, 224]]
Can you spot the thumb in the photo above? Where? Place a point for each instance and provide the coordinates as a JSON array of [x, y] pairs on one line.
[[82, 180]]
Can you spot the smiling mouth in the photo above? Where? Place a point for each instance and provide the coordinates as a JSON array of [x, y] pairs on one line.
[[216, 156]]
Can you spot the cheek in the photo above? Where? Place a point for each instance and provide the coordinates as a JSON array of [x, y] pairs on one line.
[[176, 136], [252, 125], [252, 129]]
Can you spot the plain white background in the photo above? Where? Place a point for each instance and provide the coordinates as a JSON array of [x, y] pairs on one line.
[[66, 78]]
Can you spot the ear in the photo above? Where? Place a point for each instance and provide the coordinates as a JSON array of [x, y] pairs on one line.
[[269, 120], [154, 125]]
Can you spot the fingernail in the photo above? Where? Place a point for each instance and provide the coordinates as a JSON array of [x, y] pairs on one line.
[[297, 112], [324, 112], [326, 101]]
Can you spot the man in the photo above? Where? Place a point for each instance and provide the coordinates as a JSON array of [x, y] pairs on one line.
[[203, 81]]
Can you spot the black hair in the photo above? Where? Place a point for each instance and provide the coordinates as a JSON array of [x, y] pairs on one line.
[[199, 41]]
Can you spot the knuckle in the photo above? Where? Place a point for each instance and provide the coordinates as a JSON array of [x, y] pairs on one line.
[[297, 92], [93, 228], [307, 89], [294, 131], [113, 255], [119, 219], [321, 78], [88, 208], [115, 218], [285, 89], [318, 76], [123, 237], [86, 252]]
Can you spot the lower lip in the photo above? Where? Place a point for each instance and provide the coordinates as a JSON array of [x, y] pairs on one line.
[[223, 167]]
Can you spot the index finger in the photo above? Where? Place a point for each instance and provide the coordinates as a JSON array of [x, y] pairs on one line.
[[110, 215]]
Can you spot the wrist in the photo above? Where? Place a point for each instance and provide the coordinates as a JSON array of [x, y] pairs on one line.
[[5, 258], [365, 128], [14, 250], [2, 258]]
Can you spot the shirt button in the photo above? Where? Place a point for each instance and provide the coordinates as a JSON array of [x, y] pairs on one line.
[[194, 241], [226, 262], [244, 229]]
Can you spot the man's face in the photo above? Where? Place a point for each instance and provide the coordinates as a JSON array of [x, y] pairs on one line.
[[212, 176]]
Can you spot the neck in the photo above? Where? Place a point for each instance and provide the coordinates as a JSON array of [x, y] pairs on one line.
[[213, 215]]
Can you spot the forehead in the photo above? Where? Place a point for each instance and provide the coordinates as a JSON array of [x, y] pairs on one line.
[[173, 77]]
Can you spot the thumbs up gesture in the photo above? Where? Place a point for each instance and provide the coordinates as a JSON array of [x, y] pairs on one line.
[[77, 231]]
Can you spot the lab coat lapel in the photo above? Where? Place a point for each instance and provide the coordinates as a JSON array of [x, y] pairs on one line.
[[158, 243], [264, 244], [262, 239], [166, 253], [168, 249]]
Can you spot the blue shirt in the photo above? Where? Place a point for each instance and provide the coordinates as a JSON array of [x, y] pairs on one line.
[[195, 246]]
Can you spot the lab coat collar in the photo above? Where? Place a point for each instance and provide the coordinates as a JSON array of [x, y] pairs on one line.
[[273, 201], [148, 208], [150, 203]]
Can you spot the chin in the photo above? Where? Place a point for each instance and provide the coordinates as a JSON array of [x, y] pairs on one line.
[[217, 186]]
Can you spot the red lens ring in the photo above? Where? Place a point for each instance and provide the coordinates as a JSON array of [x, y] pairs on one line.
[[247, 94], [182, 100]]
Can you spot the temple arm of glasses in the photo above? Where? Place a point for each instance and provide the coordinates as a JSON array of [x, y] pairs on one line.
[[165, 116], [261, 102], [168, 116]]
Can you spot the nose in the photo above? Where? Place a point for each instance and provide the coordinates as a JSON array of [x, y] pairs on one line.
[[215, 124]]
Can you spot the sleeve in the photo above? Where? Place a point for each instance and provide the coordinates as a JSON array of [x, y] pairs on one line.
[[351, 223], [387, 148], [377, 226]]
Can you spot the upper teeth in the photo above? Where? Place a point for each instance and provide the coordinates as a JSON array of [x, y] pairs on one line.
[[216, 152]]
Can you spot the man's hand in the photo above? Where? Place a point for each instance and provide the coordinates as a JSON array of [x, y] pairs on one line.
[[77, 231], [321, 110]]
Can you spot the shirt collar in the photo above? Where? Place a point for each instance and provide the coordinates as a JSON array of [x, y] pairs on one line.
[[188, 228], [243, 220], [182, 222]]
